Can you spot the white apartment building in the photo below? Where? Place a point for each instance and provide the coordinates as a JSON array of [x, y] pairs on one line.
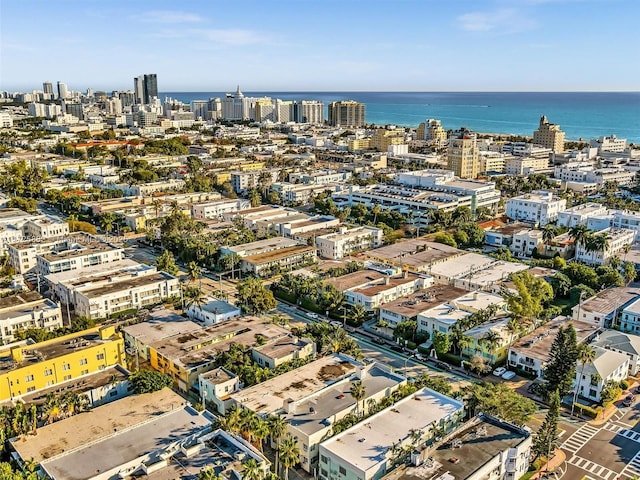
[[78, 257], [213, 311], [388, 289], [609, 144], [625, 343], [618, 239], [525, 242], [23, 256], [443, 317], [616, 175], [608, 365], [42, 228], [348, 241], [209, 210], [216, 386], [364, 451], [101, 301], [526, 165], [538, 207], [322, 177], [27, 310], [14, 228], [245, 180], [580, 214]]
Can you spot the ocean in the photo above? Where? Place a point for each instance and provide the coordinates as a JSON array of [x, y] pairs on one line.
[[582, 115]]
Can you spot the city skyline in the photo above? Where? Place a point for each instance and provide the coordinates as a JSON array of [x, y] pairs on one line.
[[534, 45]]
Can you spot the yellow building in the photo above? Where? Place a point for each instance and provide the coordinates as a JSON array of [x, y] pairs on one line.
[[382, 138], [27, 368], [252, 166], [462, 154], [431, 131], [359, 144], [549, 135]]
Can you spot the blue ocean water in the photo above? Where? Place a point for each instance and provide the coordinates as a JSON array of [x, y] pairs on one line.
[[582, 115]]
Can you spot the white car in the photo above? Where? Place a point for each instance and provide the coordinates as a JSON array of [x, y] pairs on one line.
[[312, 315], [498, 372], [508, 375]]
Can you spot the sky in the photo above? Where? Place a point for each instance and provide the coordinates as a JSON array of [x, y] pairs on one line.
[[322, 45]]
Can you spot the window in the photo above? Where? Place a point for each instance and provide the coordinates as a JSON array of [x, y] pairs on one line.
[[342, 470], [84, 372], [100, 356], [323, 459], [67, 377], [30, 389], [592, 393], [113, 393], [28, 378], [66, 366], [83, 361]]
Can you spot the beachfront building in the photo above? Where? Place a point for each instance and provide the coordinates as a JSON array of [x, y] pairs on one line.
[[431, 130], [346, 113], [549, 135], [347, 241], [462, 154], [368, 450], [538, 207]]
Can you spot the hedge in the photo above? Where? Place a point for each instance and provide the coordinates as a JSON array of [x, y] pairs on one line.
[[588, 411]]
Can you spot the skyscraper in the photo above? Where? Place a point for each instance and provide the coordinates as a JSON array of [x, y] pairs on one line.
[[47, 88], [145, 88], [462, 154], [63, 92], [346, 113]]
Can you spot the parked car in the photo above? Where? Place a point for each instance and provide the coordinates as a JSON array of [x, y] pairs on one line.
[[499, 371], [508, 375], [379, 341], [335, 323], [397, 348], [627, 401], [443, 366], [420, 357], [535, 388], [312, 315]]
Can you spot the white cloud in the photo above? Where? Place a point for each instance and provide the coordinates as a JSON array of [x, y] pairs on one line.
[[506, 20], [169, 16]]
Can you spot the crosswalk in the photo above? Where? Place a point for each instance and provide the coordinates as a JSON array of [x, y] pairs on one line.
[[630, 434], [593, 468], [633, 468], [612, 427], [579, 438]]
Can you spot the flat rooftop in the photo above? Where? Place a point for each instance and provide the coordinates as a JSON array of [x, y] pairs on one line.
[[38, 352], [371, 290], [457, 267], [158, 327], [416, 254], [78, 251], [13, 301], [366, 444], [275, 255], [537, 344], [283, 346], [269, 396], [126, 284], [354, 279], [254, 248], [80, 385], [85, 428], [201, 346], [311, 414], [423, 300], [13, 213], [479, 443], [95, 273], [609, 300]]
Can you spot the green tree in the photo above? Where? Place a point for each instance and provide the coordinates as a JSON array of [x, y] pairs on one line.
[[628, 272], [499, 400], [147, 381], [289, 454], [167, 263], [446, 239], [193, 271], [358, 391], [254, 198], [251, 470], [406, 330], [560, 370], [533, 294], [254, 298], [277, 428], [107, 221], [586, 354], [441, 342], [546, 439]]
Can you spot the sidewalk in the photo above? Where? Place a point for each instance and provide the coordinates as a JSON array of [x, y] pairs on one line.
[[558, 459]]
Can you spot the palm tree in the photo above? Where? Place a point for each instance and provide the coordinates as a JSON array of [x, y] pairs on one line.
[[72, 220], [376, 210], [107, 221], [231, 422], [548, 233], [251, 470], [209, 474], [260, 432], [358, 314], [578, 233], [230, 261], [193, 270], [358, 391], [513, 327], [491, 341], [586, 354], [277, 427], [289, 454]]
